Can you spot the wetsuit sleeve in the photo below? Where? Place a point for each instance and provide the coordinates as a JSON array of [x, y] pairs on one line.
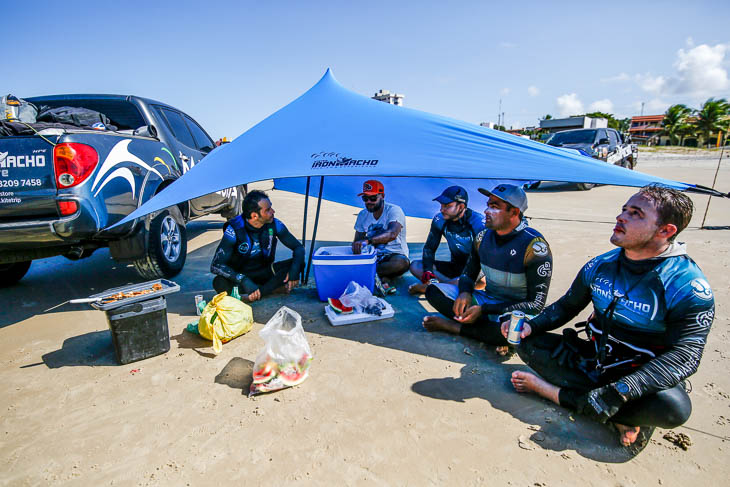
[[432, 243], [219, 266], [687, 326], [538, 263], [296, 247], [471, 271], [567, 307]]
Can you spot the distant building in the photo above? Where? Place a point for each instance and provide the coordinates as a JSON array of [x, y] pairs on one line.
[[388, 97], [489, 125], [648, 129], [552, 125]]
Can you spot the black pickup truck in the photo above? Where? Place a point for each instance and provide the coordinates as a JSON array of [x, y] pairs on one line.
[[63, 184]]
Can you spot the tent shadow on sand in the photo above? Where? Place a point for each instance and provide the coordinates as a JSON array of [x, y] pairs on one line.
[[483, 375]]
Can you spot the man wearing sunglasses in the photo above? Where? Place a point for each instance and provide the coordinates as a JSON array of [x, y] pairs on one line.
[[459, 225], [382, 225]]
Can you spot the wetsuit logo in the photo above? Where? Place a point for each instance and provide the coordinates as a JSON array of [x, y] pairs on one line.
[[544, 270], [322, 160], [513, 252], [243, 248], [701, 289], [540, 248]]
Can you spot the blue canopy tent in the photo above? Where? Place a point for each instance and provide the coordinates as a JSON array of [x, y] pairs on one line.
[[331, 131]]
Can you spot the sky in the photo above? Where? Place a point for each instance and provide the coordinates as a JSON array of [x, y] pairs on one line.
[[231, 64]]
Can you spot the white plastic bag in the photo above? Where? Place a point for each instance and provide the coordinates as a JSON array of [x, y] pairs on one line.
[[285, 359], [361, 299]]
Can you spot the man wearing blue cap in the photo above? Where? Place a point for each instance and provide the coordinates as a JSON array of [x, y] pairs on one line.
[[517, 266], [459, 225]]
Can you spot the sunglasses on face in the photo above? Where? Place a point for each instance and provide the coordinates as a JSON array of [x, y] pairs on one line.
[[372, 198]]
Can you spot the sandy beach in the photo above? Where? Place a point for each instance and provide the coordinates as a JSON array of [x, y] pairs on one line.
[[386, 403]]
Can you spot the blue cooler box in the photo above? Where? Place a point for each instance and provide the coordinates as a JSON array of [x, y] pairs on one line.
[[335, 267]]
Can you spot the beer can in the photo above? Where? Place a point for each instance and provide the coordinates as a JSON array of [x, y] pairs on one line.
[[198, 300], [516, 324]]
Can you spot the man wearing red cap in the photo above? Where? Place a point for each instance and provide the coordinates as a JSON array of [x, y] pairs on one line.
[[382, 225]]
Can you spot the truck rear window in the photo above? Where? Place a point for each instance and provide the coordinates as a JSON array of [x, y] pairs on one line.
[[122, 113]]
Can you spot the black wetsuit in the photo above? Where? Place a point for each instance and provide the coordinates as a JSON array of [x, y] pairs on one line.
[[517, 269], [459, 236], [245, 257], [657, 312]]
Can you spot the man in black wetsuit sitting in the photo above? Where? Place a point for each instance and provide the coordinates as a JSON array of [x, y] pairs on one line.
[[517, 266], [245, 256], [652, 312], [459, 225]]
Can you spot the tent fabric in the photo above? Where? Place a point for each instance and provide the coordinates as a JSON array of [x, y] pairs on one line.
[[414, 195], [331, 131]]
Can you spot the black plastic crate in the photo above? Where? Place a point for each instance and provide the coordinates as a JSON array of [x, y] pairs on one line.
[[139, 330]]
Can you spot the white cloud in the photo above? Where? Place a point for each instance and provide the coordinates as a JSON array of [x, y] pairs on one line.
[[655, 106], [507, 45], [533, 90], [504, 92], [569, 104], [699, 70], [605, 106]]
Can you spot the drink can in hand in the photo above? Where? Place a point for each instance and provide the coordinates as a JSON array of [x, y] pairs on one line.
[[198, 300], [516, 323]]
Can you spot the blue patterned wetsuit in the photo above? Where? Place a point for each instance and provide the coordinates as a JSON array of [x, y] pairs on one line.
[[245, 257], [459, 235], [657, 331], [517, 268]]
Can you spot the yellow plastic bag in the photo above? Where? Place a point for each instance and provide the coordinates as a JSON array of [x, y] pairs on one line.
[[223, 319]]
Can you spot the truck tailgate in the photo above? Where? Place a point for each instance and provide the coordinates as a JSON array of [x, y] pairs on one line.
[[27, 180]]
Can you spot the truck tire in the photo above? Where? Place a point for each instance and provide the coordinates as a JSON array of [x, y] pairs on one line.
[[628, 163], [584, 186], [12, 273], [167, 248]]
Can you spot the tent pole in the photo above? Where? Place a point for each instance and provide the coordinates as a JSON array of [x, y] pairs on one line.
[[304, 222], [314, 231], [707, 208]]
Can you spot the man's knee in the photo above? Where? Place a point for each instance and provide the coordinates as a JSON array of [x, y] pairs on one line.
[[677, 406], [221, 284]]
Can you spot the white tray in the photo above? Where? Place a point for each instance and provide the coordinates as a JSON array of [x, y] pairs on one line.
[[349, 319]]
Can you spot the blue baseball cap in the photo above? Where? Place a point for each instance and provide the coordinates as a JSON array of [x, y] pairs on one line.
[[453, 193]]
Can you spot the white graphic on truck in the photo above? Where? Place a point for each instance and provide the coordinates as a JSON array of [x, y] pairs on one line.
[[119, 155]]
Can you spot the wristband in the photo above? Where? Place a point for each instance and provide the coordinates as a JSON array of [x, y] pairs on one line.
[[428, 277]]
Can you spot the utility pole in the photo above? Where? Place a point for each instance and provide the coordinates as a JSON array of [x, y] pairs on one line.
[[499, 111], [642, 108]]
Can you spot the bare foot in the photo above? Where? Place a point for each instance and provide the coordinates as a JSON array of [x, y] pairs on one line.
[[529, 382], [628, 434], [417, 288], [438, 323]]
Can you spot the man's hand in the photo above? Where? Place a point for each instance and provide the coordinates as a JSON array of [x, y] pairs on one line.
[[254, 296], [526, 329], [462, 302], [600, 404], [357, 246], [289, 285], [470, 315]]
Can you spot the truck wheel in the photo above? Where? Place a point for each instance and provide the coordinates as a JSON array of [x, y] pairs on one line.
[[235, 209], [166, 249], [628, 163], [12, 273], [585, 186]]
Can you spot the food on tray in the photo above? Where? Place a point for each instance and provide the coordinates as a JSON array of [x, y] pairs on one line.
[[131, 294]]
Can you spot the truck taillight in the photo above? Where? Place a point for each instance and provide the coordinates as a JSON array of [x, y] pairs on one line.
[[73, 163], [67, 207]]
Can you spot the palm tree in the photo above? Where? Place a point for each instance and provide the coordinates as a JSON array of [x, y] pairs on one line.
[[712, 117], [675, 121]]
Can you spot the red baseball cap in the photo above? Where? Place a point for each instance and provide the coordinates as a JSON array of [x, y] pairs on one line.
[[372, 187]]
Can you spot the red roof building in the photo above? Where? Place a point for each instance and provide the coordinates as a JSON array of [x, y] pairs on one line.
[[646, 127]]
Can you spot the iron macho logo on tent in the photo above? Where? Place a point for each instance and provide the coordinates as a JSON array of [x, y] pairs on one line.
[[321, 160]]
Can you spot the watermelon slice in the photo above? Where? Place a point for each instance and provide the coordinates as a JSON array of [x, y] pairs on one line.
[[291, 375], [265, 373], [338, 307]]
